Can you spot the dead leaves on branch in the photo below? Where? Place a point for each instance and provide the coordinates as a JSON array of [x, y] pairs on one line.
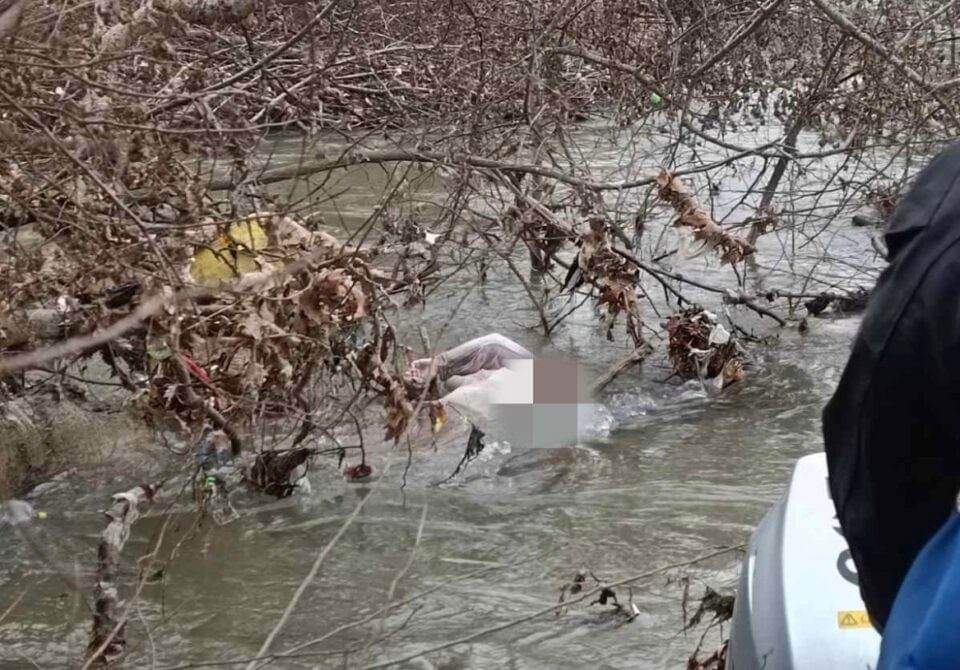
[[715, 604], [691, 215], [720, 607], [399, 410], [701, 348], [292, 304], [616, 279], [336, 298]]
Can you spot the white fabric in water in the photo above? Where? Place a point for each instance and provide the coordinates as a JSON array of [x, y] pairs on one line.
[[473, 399], [489, 352], [490, 383]]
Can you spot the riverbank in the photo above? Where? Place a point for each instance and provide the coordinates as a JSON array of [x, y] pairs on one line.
[[40, 439]]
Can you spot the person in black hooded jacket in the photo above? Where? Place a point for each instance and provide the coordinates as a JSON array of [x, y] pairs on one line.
[[892, 429]]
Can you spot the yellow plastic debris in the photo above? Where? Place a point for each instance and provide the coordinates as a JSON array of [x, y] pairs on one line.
[[231, 255], [248, 233]]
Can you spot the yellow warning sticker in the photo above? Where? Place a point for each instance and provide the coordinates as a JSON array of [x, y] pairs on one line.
[[853, 619]]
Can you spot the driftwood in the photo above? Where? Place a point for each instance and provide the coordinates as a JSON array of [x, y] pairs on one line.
[[634, 357], [108, 639]]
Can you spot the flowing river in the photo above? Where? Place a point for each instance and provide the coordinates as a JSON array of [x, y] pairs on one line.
[[671, 476]]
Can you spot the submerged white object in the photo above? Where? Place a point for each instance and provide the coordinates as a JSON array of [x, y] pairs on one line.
[[479, 396], [473, 396], [798, 605], [502, 402]]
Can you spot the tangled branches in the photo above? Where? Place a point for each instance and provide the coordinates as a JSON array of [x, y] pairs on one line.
[[149, 219], [691, 215]]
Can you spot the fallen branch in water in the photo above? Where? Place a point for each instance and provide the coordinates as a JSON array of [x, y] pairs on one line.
[[307, 168], [108, 638], [11, 606], [660, 274], [315, 568], [735, 298], [729, 297], [843, 303], [635, 356]]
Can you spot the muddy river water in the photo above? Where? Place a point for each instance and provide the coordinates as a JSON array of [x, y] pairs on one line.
[[672, 475]]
